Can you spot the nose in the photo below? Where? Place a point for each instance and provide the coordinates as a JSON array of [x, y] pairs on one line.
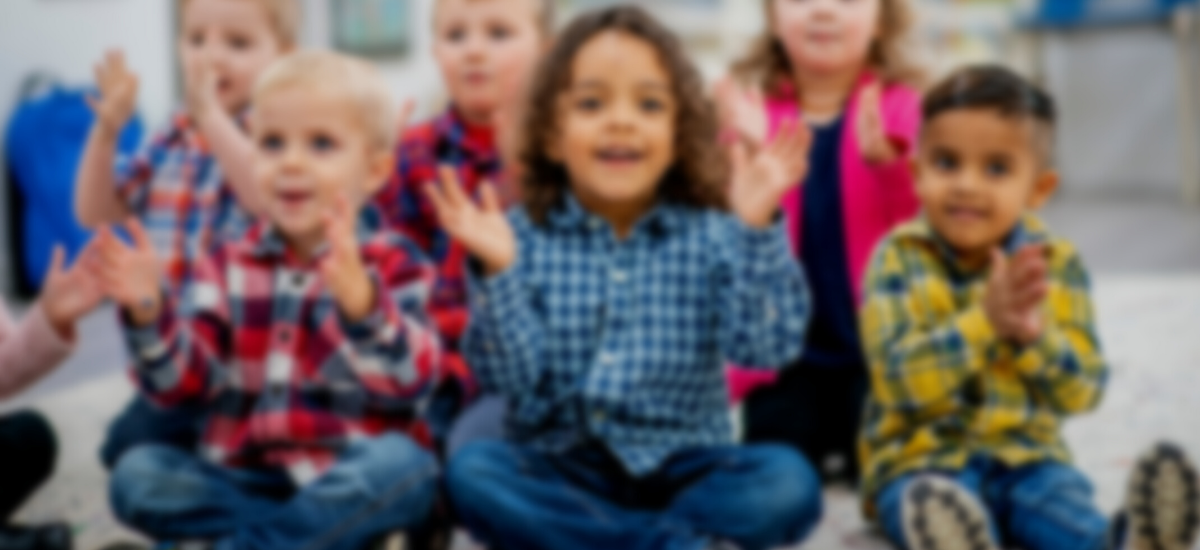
[[621, 116]]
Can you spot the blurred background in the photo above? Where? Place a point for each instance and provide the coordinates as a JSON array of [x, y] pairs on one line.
[[1126, 74]]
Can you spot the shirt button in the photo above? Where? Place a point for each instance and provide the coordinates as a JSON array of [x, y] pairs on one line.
[[599, 416], [618, 276], [298, 279], [607, 359], [285, 336]]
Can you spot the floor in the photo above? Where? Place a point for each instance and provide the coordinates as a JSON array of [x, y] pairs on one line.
[[1146, 260]]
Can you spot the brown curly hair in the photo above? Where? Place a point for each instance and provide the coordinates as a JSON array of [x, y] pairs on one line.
[[766, 64], [697, 176]]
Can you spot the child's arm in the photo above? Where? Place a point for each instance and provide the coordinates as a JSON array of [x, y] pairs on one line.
[[230, 144], [503, 338], [916, 363], [766, 305], [1063, 365], [96, 199], [382, 310], [31, 349], [173, 357]]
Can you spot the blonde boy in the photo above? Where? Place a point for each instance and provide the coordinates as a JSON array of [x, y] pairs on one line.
[[190, 187], [307, 344]]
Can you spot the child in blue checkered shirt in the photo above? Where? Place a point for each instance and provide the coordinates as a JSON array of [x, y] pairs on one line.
[[605, 308]]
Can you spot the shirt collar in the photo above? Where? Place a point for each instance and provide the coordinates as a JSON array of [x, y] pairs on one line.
[[1029, 230], [570, 214], [476, 141], [265, 242]]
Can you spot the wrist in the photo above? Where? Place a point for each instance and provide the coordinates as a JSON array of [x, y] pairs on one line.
[[62, 323], [145, 311], [498, 264], [356, 297]]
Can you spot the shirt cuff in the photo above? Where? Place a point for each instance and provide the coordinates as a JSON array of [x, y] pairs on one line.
[[767, 247], [496, 293]]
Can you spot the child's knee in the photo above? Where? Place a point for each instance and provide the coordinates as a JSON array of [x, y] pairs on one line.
[[794, 499], [473, 469], [138, 474], [387, 464]]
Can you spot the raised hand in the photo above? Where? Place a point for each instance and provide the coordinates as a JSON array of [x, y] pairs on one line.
[[483, 229], [760, 183], [70, 294], [342, 269], [744, 111], [873, 141], [1016, 291], [203, 95], [118, 92], [131, 275]]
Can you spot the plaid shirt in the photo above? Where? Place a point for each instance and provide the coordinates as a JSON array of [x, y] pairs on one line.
[[175, 187], [286, 379], [443, 141], [944, 386], [624, 341]]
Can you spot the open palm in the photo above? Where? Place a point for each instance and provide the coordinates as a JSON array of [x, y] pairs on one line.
[[743, 111], [118, 92], [483, 229], [759, 183]]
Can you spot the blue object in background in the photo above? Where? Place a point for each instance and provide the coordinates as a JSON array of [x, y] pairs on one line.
[[1083, 13], [44, 144]]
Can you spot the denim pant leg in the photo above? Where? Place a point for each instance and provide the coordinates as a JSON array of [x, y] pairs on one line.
[[483, 420], [378, 485], [168, 494], [513, 498], [1049, 506], [143, 423], [762, 496], [889, 502]]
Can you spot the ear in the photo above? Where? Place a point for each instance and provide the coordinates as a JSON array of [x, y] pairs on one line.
[[382, 163], [1043, 189]]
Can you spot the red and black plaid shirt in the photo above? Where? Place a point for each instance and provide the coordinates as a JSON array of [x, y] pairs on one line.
[[287, 380], [471, 150]]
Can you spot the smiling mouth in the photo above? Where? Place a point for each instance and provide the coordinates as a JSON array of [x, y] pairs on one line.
[[964, 213], [619, 156], [293, 199]]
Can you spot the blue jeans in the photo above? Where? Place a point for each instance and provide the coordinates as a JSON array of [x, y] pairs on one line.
[[378, 486], [143, 423], [513, 498], [1045, 506]]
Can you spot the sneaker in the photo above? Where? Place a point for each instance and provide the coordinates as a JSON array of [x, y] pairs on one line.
[[1162, 505], [938, 514]]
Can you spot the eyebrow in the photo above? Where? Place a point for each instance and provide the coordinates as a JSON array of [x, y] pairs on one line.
[[651, 84]]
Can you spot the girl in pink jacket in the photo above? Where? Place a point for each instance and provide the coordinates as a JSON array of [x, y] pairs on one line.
[[842, 68], [29, 350]]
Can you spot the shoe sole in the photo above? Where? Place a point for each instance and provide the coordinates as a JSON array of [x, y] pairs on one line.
[[940, 515], [1164, 500]]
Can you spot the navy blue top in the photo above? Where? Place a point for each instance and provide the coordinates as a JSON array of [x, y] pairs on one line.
[[833, 339]]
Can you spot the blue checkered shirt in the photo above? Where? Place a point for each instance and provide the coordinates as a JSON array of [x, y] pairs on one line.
[[623, 342]]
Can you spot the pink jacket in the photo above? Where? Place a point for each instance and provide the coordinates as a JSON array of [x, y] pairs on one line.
[[28, 350], [874, 198]]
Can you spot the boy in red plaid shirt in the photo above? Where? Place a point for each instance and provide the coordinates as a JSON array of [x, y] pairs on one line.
[[306, 342], [486, 51]]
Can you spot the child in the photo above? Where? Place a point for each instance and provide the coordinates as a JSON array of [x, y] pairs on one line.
[[486, 50], [189, 188], [604, 308], [29, 351], [307, 345], [841, 67], [978, 326]]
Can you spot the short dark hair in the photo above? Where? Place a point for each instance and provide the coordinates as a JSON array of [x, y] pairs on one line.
[[696, 178], [996, 88]]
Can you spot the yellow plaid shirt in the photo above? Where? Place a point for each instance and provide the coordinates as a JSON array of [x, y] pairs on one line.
[[944, 387]]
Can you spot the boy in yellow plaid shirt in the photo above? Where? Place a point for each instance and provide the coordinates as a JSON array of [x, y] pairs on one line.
[[978, 328]]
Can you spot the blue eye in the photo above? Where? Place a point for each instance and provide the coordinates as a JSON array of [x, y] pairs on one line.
[[271, 143], [323, 144], [500, 33]]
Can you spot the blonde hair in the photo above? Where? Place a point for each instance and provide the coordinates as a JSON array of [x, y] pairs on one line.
[[767, 64], [358, 81], [545, 16], [283, 15]]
